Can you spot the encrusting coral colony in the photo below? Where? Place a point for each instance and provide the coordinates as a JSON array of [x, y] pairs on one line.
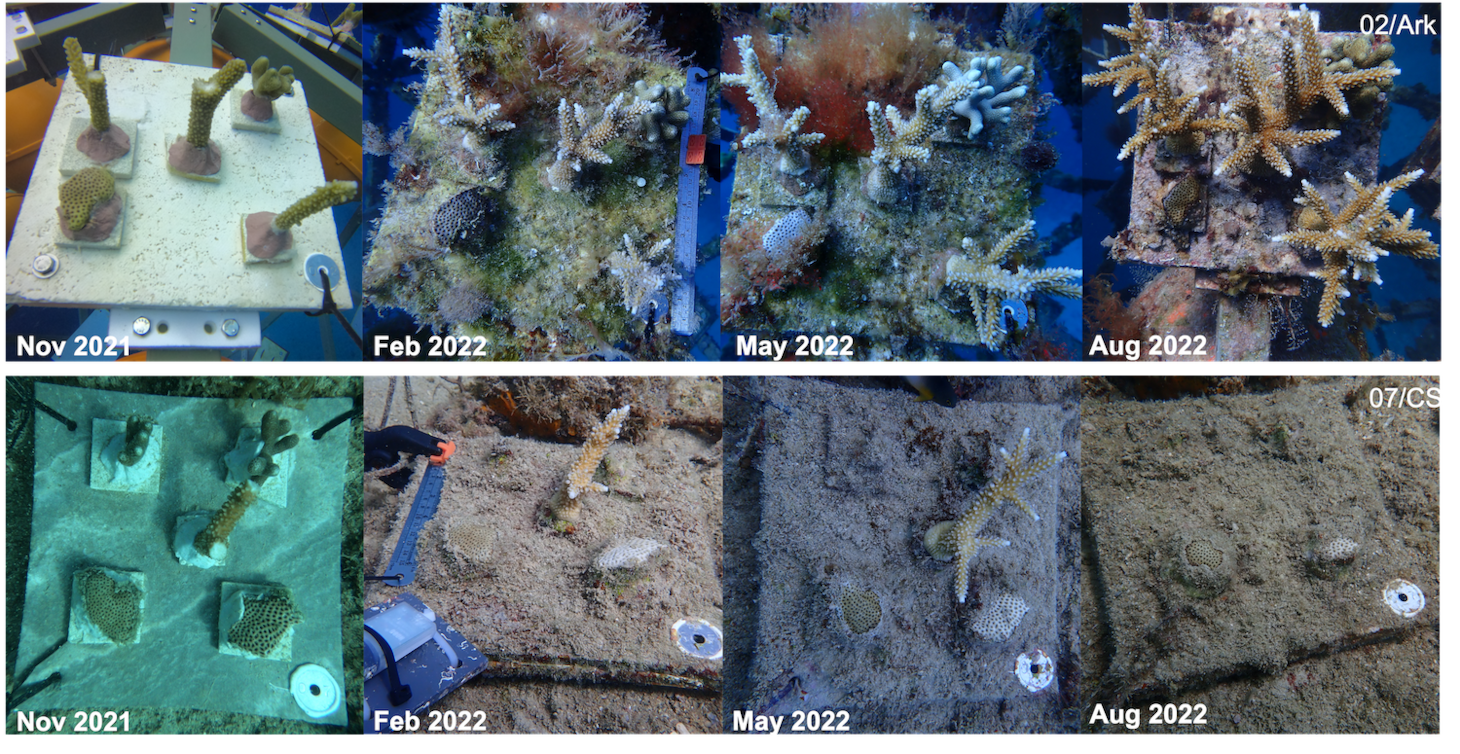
[[541, 155], [1255, 156], [869, 134]]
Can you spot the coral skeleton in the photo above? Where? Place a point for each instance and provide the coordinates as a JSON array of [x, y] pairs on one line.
[[1352, 240], [579, 141], [982, 276], [960, 540], [779, 130]]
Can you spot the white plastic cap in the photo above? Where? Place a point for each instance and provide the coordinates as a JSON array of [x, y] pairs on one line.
[[315, 690]]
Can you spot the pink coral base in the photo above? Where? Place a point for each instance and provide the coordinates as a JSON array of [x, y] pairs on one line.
[[256, 107], [186, 158], [105, 146], [262, 242], [103, 221]]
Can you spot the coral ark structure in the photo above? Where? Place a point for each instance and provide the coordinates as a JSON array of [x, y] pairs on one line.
[[540, 139], [1268, 183], [870, 134]]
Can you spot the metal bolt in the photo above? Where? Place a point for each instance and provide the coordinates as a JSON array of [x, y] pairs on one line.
[[192, 20], [141, 325], [44, 265], [230, 327]]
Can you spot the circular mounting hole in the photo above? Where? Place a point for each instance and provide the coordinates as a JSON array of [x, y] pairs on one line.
[[1403, 597], [314, 689], [162, 328], [208, 328], [699, 638]]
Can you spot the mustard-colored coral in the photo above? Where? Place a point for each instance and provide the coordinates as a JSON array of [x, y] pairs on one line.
[[324, 197], [91, 83], [114, 606], [1180, 199], [960, 540], [81, 193], [227, 517], [1352, 240], [266, 620], [207, 93], [580, 476], [271, 83]]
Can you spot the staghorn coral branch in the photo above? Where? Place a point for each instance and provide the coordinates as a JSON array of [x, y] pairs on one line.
[[983, 278], [959, 539], [779, 130], [1352, 240], [579, 141]]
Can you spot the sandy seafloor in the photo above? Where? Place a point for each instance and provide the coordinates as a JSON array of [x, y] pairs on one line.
[[831, 486], [1282, 648], [533, 594]]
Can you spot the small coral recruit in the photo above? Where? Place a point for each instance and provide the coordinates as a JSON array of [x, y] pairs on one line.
[[959, 540]]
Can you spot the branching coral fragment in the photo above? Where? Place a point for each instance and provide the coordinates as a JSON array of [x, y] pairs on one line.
[[565, 508], [460, 107], [1352, 240], [1164, 115], [959, 539], [781, 131], [1267, 127], [579, 139], [1134, 68], [982, 277]]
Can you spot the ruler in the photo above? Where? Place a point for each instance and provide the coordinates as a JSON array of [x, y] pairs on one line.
[[402, 568], [686, 225]]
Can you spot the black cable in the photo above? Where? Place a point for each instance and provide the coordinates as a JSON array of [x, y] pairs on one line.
[[399, 693], [335, 422], [70, 425], [328, 306]]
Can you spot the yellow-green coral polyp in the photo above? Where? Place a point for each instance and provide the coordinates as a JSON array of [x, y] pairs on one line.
[[82, 193]]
